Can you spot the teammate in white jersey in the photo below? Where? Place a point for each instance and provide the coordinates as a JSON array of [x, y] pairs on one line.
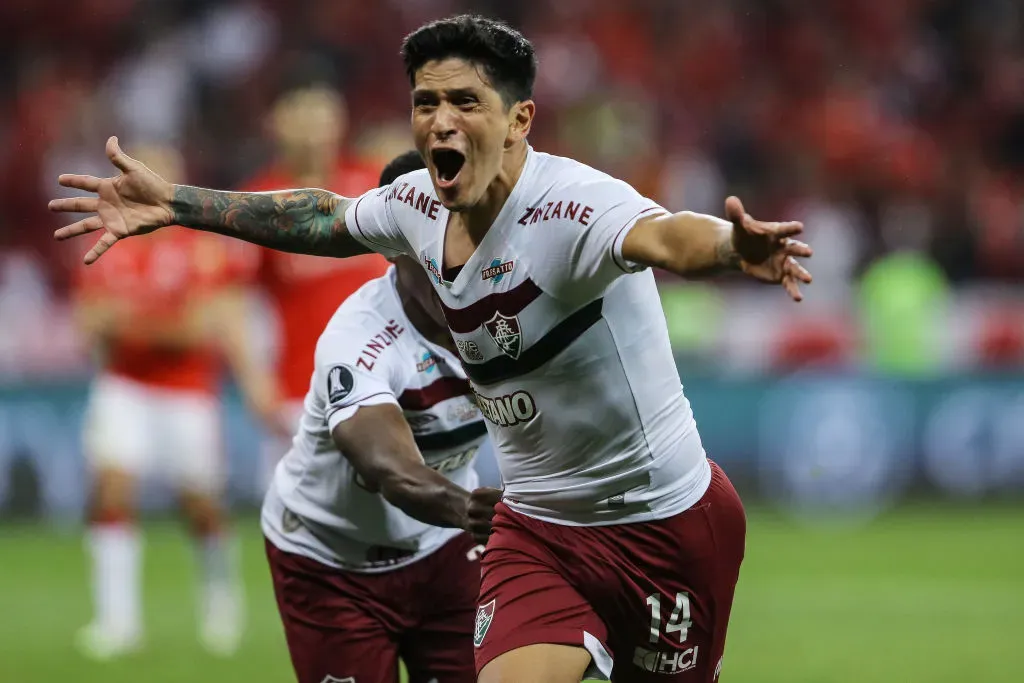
[[618, 545], [353, 572]]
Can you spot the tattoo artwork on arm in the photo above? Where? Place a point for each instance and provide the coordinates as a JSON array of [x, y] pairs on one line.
[[308, 221], [726, 255]]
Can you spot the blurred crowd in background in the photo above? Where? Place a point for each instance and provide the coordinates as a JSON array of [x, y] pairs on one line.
[[893, 128]]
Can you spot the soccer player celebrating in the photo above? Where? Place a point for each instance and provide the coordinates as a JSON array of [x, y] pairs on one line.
[[618, 543], [160, 315], [363, 532]]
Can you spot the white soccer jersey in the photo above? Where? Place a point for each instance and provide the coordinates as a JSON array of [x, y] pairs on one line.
[[564, 342], [371, 354]]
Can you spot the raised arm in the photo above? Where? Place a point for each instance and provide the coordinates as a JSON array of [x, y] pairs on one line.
[[138, 201], [693, 244]]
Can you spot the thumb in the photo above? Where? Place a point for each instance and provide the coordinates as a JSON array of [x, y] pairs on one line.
[[117, 157], [734, 212]]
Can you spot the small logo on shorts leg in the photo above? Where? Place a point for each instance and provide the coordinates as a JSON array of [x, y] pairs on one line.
[[290, 521], [484, 616], [333, 679], [674, 662]]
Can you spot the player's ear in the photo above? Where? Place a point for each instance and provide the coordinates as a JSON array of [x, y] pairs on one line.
[[520, 119]]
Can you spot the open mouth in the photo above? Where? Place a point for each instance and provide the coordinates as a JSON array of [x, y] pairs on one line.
[[448, 163]]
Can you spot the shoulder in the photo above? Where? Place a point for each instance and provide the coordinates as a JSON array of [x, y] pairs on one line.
[[564, 173], [570, 192], [368, 326], [411, 197]]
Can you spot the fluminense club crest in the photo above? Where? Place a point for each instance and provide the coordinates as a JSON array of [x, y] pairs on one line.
[[506, 333], [484, 617]]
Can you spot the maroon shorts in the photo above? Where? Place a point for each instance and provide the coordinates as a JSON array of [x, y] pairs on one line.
[[654, 597], [345, 626]]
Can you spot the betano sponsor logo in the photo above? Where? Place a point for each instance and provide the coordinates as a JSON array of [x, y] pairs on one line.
[[508, 410]]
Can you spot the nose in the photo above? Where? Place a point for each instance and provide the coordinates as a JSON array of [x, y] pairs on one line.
[[443, 125]]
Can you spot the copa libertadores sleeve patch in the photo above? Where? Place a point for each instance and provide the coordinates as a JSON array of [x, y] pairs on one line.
[[340, 381]]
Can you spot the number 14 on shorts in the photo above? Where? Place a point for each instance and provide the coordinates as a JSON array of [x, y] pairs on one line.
[[678, 622]]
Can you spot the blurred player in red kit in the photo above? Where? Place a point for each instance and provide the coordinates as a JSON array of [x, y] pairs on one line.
[[308, 125], [151, 315]]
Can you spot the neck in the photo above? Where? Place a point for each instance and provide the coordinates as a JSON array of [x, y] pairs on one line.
[[480, 217], [422, 321]]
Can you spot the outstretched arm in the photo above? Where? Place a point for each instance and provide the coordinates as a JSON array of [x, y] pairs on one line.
[[693, 244], [308, 221], [138, 201]]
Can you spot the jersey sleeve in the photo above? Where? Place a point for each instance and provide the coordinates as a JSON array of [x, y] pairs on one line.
[[371, 221], [346, 377], [583, 255]]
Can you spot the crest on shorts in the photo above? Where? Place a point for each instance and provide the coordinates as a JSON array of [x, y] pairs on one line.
[[334, 679], [484, 616], [339, 383], [506, 333]]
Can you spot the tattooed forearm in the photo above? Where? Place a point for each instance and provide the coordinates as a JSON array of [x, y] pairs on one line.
[[302, 221], [726, 256]]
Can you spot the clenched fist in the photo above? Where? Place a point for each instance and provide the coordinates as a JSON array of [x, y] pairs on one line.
[[481, 511]]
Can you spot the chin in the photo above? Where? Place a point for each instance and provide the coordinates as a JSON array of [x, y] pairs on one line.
[[454, 202]]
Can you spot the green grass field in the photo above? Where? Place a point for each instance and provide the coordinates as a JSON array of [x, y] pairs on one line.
[[924, 595]]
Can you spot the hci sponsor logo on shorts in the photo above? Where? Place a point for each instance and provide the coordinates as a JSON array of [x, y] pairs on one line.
[[484, 616], [665, 662]]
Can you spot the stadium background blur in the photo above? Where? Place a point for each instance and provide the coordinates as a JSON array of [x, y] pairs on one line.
[[876, 430]]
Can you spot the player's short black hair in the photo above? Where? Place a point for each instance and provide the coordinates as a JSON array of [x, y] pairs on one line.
[[506, 56], [404, 163]]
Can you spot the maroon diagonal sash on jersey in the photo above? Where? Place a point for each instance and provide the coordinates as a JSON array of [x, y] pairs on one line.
[[437, 391], [510, 303], [558, 338]]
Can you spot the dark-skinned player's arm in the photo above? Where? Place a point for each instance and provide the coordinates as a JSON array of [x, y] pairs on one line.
[[138, 201], [379, 443], [693, 244]]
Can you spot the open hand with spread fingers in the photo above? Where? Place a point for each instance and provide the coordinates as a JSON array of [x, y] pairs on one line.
[[134, 202], [767, 250]]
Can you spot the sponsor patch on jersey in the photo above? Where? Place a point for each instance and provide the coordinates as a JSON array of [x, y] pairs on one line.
[[463, 412], [339, 383], [469, 350], [434, 271], [506, 333], [427, 364], [496, 271], [419, 423], [484, 617]]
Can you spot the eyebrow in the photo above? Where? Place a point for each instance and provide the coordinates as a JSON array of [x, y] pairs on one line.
[[451, 93]]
